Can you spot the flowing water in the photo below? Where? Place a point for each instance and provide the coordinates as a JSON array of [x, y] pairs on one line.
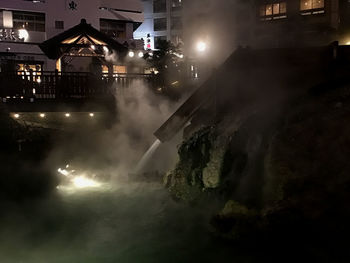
[[147, 156]]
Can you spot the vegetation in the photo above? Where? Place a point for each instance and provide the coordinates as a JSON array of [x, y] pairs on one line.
[[168, 69]]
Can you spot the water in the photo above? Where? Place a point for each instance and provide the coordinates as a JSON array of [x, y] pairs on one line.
[[121, 223], [147, 156]]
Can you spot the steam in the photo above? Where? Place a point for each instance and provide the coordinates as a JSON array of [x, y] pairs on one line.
[[222, 24], [117, 150]]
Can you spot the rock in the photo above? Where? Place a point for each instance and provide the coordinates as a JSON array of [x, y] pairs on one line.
[[233, 208], [212, 172]]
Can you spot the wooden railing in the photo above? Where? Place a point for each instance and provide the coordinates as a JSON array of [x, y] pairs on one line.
[[55, 85]]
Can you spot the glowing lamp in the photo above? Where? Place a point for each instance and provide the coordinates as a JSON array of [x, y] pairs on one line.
[[140, 54], [201, 46], [67, 115], [93, 47], [91, 115], [16, 116], [23, 34], [131, 54], [42, 115]]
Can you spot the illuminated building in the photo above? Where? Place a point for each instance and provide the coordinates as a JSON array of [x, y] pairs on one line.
[[301, 22], [163, 21], [26, 23]]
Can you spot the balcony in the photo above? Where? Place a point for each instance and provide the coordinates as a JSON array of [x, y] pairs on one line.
[[53, 88]]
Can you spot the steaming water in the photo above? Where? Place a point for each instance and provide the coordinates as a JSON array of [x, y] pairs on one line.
[[147, 156], [125, 223]]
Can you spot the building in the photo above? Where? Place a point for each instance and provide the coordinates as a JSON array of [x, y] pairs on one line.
[[163, 21], [301, 22], [24, 24]]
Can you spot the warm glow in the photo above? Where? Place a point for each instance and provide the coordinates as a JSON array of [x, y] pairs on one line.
[[93, 47], [16, 115], [91, 115], [67, 115], [131, 54], [140, 54], [23, 34], [42, 115], [38, 80], [83, 182], [105, 49], [201, 46]]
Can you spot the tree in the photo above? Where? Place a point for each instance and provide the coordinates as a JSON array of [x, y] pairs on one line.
[[168, 69]]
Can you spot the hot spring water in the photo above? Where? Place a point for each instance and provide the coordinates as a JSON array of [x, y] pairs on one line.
[[147, 156]]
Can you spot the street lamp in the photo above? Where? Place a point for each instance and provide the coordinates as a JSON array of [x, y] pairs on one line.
[[201, 46], [131, 54]]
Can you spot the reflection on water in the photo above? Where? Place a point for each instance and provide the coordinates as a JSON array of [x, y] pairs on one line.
[[121, 223]]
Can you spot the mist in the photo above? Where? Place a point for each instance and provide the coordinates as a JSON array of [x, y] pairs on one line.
[[125, 219]]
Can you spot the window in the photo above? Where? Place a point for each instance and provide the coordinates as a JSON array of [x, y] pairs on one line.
[[59, 24], [113, 28], [273, 11], [159, 6], [160, 24], [119, 69], [158, 40], [176, 5], [29, 20], [176, 23], [311, 5]]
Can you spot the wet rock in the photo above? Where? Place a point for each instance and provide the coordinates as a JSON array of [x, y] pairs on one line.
[[212, 172]]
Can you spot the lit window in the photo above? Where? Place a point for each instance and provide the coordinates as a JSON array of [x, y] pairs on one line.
[[119, 69], [268, 10], [29, 20], [104, 69], [273, 11], [306, 5]]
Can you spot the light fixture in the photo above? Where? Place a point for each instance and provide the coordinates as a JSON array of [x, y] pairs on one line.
[[42, 115], [67, 115], [131, 54], [16, 116], [201, 46], [38, 80], [23, 34], [91, 114], [140, 54], [93, 47]]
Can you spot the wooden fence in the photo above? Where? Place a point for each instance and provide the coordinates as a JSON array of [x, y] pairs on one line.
[[55, 85]]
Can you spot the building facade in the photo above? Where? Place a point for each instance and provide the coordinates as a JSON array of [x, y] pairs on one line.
[[284, 23], [26, 23], [163, 21]]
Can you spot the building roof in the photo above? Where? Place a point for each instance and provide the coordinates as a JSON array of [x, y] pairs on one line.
[[78, 38]]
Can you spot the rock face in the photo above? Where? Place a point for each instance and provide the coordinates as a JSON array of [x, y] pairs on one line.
[[285, 175], [185, 182], [212, 172]]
